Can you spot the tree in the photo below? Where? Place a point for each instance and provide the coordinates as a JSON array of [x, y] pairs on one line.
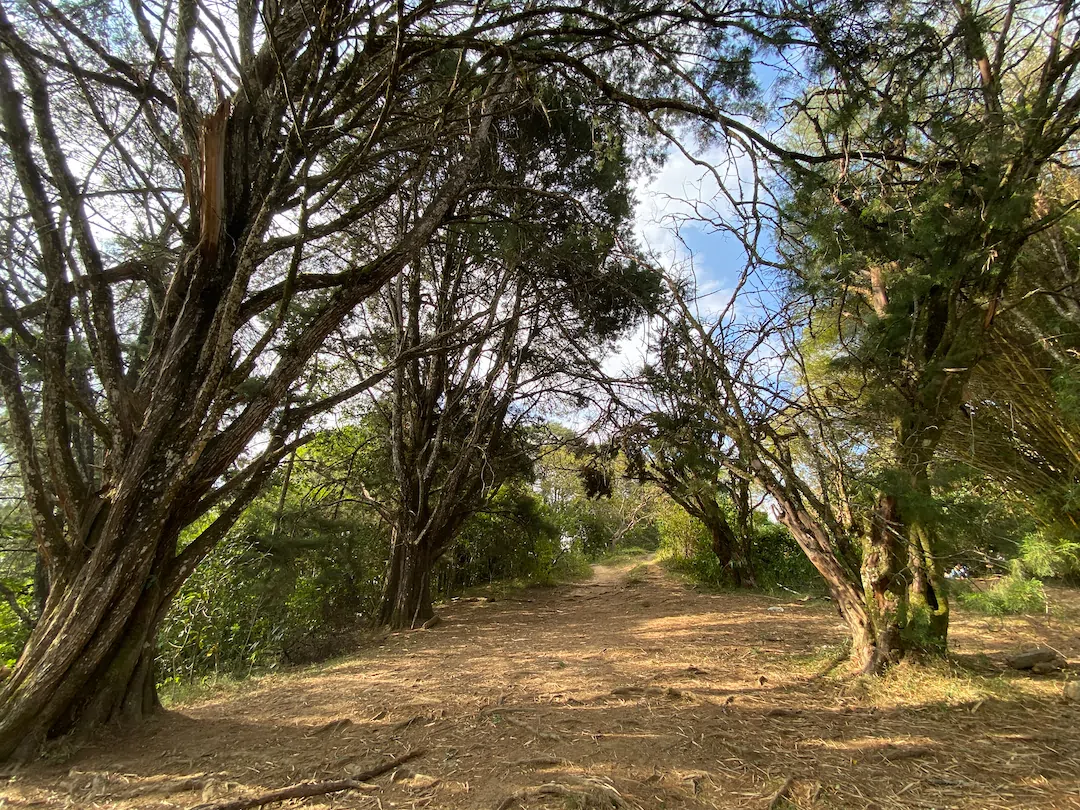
[[176, 184], [950, 115], [675, 450], [741, 377], [523, 285]]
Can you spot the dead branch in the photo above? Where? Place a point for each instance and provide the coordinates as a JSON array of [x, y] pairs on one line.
[[307, 789]]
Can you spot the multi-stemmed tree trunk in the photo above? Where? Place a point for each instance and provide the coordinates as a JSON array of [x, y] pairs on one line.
[[407, 592], [913, 252], [141, 419], [675, 451]]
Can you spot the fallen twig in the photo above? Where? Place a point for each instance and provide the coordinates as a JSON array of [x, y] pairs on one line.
[[308, 789]]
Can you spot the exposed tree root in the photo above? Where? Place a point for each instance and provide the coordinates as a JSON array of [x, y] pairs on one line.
[[307, 789], [585, 793], [778, 799]]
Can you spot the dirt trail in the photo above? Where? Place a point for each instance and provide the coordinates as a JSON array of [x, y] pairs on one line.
[[629, 690]]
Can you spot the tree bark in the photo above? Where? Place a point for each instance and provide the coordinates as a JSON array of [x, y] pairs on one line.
[[928, 595], [90, 659], [883, 583], [406, 601], [868, 654]]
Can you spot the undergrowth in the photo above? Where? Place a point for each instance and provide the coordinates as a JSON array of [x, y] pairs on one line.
[[1014, 595]]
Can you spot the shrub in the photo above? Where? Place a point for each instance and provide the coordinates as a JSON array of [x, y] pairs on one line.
[[1044, 554], [1009, 596], [13, 631]]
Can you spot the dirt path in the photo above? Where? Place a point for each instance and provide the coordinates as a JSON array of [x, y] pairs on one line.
[[630, 690]]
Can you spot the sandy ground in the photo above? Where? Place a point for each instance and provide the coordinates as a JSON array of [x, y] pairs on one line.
[[630, 690]]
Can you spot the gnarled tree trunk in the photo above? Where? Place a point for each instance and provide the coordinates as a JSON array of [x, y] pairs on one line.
[[406, 601], [90, 659], [883, 582], [871, 649]]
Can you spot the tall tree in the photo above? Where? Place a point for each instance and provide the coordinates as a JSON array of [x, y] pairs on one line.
[[176, 180], [740, 376], [949, 115], [514, 301]]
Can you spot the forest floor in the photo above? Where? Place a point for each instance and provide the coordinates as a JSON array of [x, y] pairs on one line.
[[629, 690]]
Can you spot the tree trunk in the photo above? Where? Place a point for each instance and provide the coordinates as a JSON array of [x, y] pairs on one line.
[[406, 601], [928, 595], [869, 652], [730, 553], [90, 659], [928, 609], [883, 584]]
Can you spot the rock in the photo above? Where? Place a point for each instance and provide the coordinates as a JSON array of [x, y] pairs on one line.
[[1072, 691], [1029, 658], [1047, 667], [775, 609]]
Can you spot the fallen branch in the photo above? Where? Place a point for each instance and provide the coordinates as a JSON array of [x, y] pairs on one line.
[[307, 789]]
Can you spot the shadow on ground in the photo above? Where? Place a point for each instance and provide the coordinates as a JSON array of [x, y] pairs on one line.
[[645, 694]]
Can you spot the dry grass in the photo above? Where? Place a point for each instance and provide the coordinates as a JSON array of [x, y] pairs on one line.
[[621, 692]]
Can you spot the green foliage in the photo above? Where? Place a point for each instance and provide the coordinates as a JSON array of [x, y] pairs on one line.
[[266, 598], [597, 520], [297, 584], [13, 631], [685, 547], [1047, 554], [1011, 595], [778, 561], [513, 538]]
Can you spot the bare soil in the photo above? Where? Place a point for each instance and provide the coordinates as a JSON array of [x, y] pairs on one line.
[[629, 690]]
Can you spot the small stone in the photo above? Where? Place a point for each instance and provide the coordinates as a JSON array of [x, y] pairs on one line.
[[1047, 667], [775, 609], [420, 781], [1072, 691]]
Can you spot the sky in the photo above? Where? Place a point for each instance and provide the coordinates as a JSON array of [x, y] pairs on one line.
[[668, 225]]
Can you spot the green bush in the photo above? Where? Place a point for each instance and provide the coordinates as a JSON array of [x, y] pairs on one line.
[[13, 631], [274, 592], [513, 538], [1045, 554], [1013, 595], [778, 562], [775, 558]]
